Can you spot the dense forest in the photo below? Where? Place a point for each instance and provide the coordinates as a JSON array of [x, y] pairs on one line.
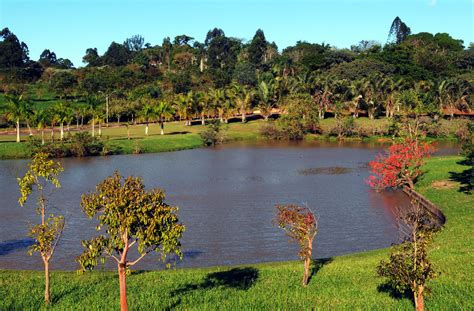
[[224, 77]]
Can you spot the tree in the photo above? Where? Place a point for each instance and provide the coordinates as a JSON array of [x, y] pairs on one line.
[[16, 109], [41, 118], [13, 53], [258, 48], [401, 166], [266, 99], [116, 55], [147, 113], [409, 267], [63, 82], [164, 111], [48, 58], [399, 31], [301, 225], [243, 98], [130, 216], [92, 57], [41, 172], [134, 43]]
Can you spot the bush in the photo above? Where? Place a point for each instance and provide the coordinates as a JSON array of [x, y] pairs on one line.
[[289, 127], [81, 144], [214, 134], [346, 127]]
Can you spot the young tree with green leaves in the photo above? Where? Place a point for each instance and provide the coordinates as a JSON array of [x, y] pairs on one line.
[[41, 172], [409, 267], [130, 216]]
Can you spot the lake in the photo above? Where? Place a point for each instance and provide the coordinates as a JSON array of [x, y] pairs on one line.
[[226, 197]]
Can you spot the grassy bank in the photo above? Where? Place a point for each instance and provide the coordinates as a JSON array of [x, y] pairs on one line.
[[345, 282], [178, 136]]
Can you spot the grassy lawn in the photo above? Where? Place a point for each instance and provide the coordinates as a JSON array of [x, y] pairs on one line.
[[346, 282], [177, 136]]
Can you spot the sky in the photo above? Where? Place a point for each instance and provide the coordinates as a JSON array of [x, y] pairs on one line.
[[69, 27]]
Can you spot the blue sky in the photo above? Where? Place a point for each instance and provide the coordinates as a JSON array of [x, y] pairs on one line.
[[69, 27]]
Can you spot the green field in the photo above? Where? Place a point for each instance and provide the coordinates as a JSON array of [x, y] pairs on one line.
[[345, 282]]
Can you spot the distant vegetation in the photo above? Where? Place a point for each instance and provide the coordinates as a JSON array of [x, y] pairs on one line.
[[224, 77]]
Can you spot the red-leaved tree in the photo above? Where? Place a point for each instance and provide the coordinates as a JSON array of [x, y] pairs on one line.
[[301, 225], [400, 166]]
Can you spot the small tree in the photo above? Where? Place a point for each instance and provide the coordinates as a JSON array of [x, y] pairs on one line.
[[409, 267], [130, 216], [301, 225], [41, 172], [401, 166]]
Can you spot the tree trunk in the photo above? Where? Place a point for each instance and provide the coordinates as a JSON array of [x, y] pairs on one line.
[[118, 120], [100, 129], [29, 129], [265, 117], [93, 128], [162, 126], [203, 121], [18, 130], [128, 133], [146, 129], [46, 281], [42, 136], [123, 287], [52, 133], [62, 131], [307, 263], [419, 300], [244, 116]]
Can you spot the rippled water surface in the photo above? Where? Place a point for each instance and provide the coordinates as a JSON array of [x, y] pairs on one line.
[[226, 197]]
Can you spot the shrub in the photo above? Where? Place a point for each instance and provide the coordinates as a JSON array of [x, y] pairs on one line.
[[214, 134]]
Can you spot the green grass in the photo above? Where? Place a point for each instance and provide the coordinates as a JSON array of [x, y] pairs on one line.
[[177, 137], [345, 282]]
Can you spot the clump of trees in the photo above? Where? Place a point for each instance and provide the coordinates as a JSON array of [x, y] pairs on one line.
[[409, 267], [301, 225], [129, 216], [41, 172]]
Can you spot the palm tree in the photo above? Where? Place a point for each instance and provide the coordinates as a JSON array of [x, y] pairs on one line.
[[453, 92], [41, 118], [16, 109], [243, 98], [60, 111], [266, 100], [218, 98], [164, 111], [147, 113]]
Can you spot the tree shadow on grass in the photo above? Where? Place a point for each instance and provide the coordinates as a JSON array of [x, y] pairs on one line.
[[394, 293], [465, 178], [318, 264], [236, 278]]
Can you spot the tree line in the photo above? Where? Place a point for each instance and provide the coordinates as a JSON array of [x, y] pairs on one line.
[[223, 77]]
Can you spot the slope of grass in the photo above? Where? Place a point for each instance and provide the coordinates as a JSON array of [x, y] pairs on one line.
[[346, 282]]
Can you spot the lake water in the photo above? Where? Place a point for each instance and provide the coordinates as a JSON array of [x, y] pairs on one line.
[[226, 197]]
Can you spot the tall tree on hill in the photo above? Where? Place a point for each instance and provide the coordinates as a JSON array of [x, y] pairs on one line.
[[257, 49], [134, 43], [116, 55], [13, 53], [91, 58], [399, 31], [48, 58]]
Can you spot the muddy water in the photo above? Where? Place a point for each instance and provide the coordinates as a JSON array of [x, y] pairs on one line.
[[226, 197]]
